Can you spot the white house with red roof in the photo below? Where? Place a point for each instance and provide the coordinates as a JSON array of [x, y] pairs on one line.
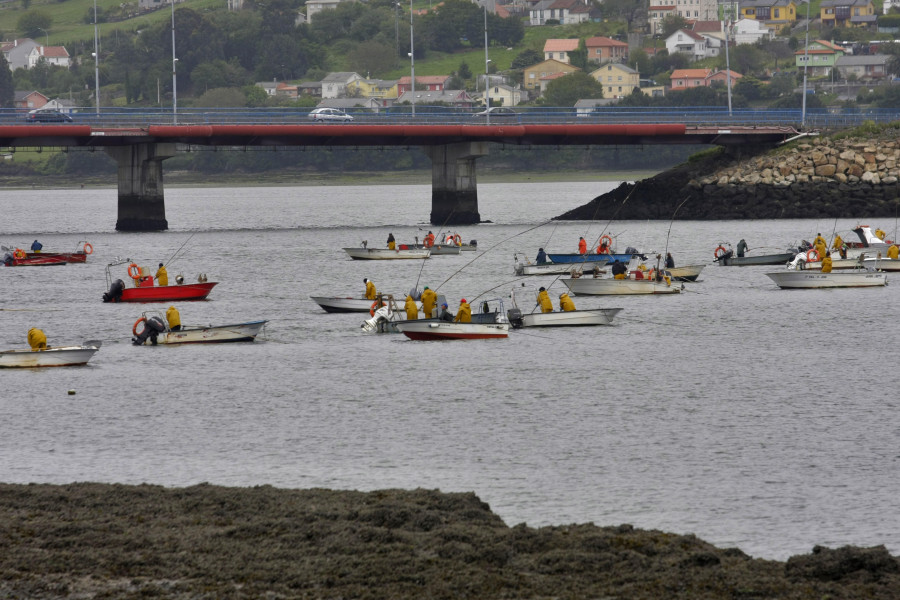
[[602, 49], [683, 79], [52, 55], [688, 42], [17, 51], [555, 49]]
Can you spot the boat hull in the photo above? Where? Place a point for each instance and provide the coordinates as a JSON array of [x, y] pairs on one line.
[[166, 293], [69, 257], [607, 286], [685, 273], [64, 356], [881, 264], [238, 332], [437, 249], [819, 280], [575, 318], [335, 304], [385, 254], [762, 259], [442, 330], [552, 268], [38, 260], [588, 258]]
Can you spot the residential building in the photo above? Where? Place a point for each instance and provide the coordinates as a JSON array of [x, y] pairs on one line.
[[547, 79], [335, 84], [270, 87], [560, 49], [52, 55], [532, 75], [310, 88], [847, 13], [29, 100], [889, 4], [17, 51], [603, 50], [822, 56], [774, 13], [567, 12], [687, 42], [683, 79], [691, 10], [872, 67], [618, 80], [723, 77], [458, 98], [315, 6], [373, 88], [287, 90], [347, 103], [63, 105], [504, 95], [750, 31], [429, 83]]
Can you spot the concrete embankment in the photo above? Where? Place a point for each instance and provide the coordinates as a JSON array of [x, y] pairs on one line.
[[92, 540], [815, 178]]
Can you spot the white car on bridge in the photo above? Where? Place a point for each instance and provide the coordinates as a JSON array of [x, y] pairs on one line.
[[329, 114]]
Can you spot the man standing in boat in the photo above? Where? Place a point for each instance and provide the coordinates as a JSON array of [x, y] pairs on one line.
[[826, 262], [174, 318], [670, 262], [541, 257], [162, 276], [36, 246], [619, 269], [446, 315], [392, 243], [544, 301], [465, 312], [565, 303], [582, 246], [742, 247], [370, 289], [429, 299], [429, 240]]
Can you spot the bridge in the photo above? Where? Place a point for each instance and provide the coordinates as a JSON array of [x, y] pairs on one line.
[[140, 141]]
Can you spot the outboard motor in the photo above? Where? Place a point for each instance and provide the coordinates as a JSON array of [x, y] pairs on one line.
[[515, 318], [152, 328], [473, 243], [381, 315], [115, 291], [8, 259]]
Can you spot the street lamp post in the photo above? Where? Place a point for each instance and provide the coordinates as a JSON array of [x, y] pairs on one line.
[[174, 80], [487, 77], [47, 34], [412, 59], [805, 68], [96, 62]]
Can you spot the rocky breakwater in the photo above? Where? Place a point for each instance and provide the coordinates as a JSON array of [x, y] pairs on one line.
[[826, 177]]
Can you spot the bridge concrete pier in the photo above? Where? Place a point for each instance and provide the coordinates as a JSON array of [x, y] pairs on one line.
[[454, 193], [142, 204]]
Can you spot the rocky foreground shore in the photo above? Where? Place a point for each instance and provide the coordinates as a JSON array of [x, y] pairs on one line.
[[837, 177], [117, 541]]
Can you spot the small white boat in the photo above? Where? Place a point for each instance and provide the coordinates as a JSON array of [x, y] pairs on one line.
[[685, 273], [810, 261], [385, 254], [526, 267], [817, 279], [881, 264], [430, 329], [573, 318], [62, 356], [631, 285], [155, 330], [338, 304]]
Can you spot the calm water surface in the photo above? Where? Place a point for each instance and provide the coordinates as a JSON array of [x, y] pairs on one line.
[[751, 416]]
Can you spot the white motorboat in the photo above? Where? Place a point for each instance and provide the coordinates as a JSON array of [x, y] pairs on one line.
[[685, 273], [385, 254], [430, 329], [155, 330], [527, 267], [62, 356], [817, 279], [634, 283], [573, 318], [881, 264], [386, 313], [339, 304], [809, 261]]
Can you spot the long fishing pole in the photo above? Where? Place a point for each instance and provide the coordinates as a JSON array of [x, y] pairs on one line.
[[174, 254], [422, 268], [671, 221]]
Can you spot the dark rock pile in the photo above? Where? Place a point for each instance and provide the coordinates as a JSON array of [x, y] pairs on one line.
[[117, 541], [837, 178]]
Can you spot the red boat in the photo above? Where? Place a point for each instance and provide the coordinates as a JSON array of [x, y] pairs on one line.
[[79, 256], [20, 259], [144, 289]]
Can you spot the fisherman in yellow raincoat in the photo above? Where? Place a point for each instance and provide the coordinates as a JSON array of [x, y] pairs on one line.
[[162, 276], [565, 303], [465, 312], [37, 339], [174, 318], [391, 242], [412, 311], [544, 300], [893, 252], [821, 247], [826, 263], [820, 240], [429, 301], [370, 289], [879, 233]]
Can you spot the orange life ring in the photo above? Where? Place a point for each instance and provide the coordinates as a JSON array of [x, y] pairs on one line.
[[134, 271], [457, 240], [608, 243], [372, 308], [135, 326], [719, 254], [809, 254], [19, 253], [449, 239], [88, 249], [651, 273]]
